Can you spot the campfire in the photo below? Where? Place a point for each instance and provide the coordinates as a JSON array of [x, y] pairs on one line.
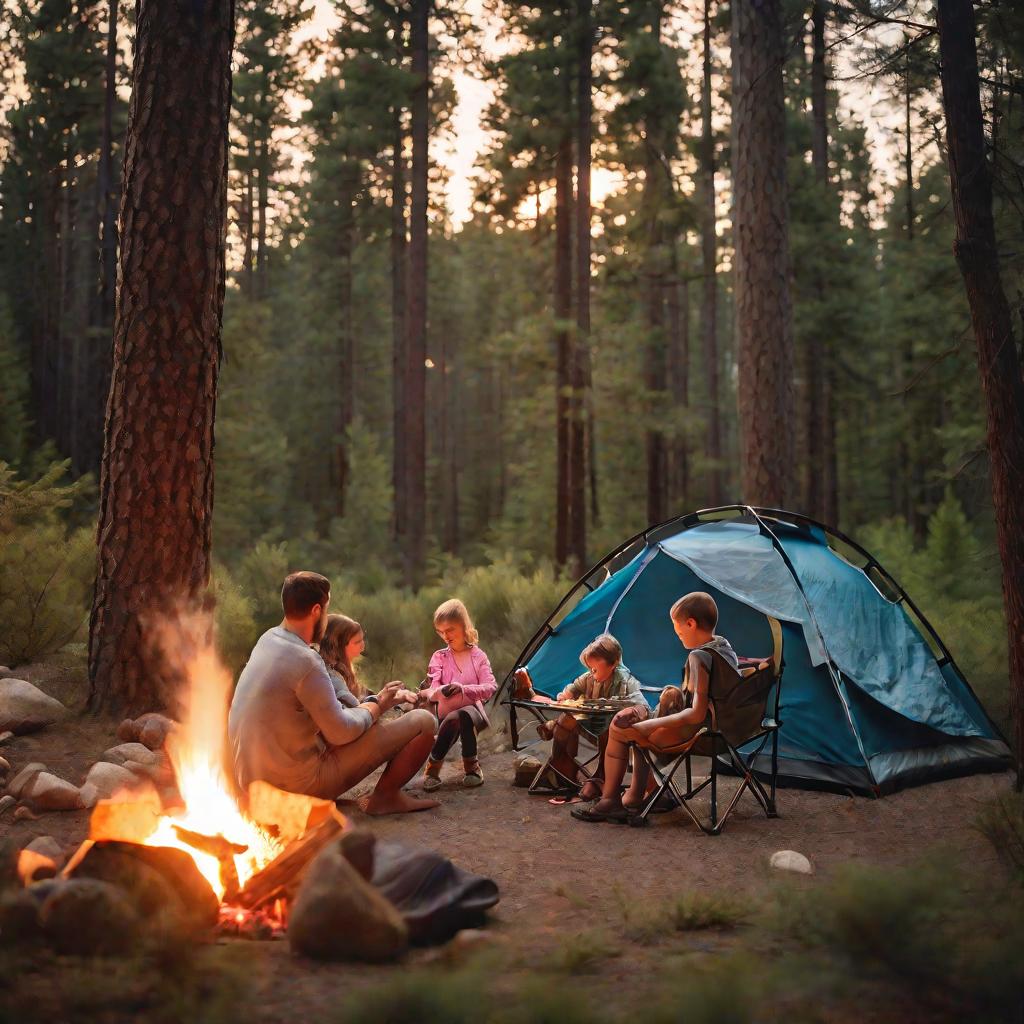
[[252, 848]]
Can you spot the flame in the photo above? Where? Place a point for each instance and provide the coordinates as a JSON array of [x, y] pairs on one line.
[[198, 753]]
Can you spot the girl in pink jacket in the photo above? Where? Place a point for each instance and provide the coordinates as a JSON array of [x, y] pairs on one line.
[[459, 679]]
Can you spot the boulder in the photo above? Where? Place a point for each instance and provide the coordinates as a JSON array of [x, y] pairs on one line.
[[128, 731], [137, 752], [5, 736], [159, 771], [357, 846], [5, 767], [7, 802], [338, 915], [48, 847], [109, 779], [25, 813], [163, 884], [88, 795], [790, 860], [46, 792], [19, 920], [25, 708], [90, 918], [154, 729], [24, 777], [4, 671], [34, 866]]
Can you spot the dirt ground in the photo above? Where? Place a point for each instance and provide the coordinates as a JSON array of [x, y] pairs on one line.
[[561, 879]]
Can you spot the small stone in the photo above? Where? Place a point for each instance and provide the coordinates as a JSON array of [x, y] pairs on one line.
[[5, 736], [34, 866], [24, 777], [790, 860], [7, 802], [110, 779], [4, 671], [47, 792], [5, 766], [338, 915], [154, 730], [128, 731], [25, 708], [87, 917], [24, 813], [88, 795], [48, 847], [137, 752]]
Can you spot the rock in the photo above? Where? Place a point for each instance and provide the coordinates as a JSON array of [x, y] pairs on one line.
[[48, 847], [5, 766], [19, 920], [109, 779], [338, 915], [160, 772], [90, 918], [154, 730], [163, 884], [24, 777], [357, 846], [790, 860], [24, 813], [34, 866], [46, 792], [5, 736], [25, 708], [4, 671], [137, 752], [526, 768], [88, 795], [128, 731], [7, 802]]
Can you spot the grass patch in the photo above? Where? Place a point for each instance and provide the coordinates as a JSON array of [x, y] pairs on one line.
[[584, 952], [648, 921]]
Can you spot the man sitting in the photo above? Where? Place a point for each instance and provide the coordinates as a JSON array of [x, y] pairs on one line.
[[287, 726]]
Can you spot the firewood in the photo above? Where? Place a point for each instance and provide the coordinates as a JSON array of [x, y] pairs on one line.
[[281, 876]]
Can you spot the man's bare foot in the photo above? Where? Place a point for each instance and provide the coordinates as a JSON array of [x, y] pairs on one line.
[[394, 803]]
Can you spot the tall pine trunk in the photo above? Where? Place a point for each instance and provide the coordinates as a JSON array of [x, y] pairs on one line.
[[346, 340], [416, 325], [581, 418], [998, 359], [763, 304], [709, 293], [678, 302], [156, 486], [398, 299], [563, 346]]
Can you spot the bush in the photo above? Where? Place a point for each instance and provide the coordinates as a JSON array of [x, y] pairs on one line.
[[46, 570], [235, 621]]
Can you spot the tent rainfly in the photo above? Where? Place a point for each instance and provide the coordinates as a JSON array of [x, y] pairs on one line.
[[871, 698]]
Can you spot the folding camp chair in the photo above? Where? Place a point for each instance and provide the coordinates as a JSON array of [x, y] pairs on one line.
[[744, 709]]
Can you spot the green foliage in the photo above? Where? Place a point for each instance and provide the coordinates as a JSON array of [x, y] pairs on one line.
[[46, 569], [235, 621]]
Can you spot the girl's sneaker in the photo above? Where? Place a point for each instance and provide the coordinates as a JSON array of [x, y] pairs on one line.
[[474, 773], [432, 776]]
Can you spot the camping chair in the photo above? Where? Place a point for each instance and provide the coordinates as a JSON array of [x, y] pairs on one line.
[[744, 708]]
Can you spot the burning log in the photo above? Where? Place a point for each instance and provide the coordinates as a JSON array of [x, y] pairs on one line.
[[280, 878], [223, 849]]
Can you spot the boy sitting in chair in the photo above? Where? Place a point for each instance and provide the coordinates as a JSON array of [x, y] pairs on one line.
[[606, 676], [680, 716]]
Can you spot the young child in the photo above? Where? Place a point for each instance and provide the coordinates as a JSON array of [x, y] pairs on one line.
[[459, 679], [606, 676], [343, 641], [694, 618]]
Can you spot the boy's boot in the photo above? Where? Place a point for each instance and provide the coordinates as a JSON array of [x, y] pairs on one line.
[[432, 776], [474, 773]]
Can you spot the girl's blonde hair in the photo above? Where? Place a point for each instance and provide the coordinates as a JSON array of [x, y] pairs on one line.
[[454, 610], [605, 647], [340, 629]]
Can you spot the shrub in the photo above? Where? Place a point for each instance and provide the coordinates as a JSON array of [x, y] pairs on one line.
[[46, 570]]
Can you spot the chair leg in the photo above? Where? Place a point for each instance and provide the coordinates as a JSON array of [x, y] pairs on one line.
[[773, 813], [714, 792]]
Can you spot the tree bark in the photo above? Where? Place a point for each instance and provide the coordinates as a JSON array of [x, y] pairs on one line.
[[679, 377], [998, 359], [346, 341], [581, 414], [709, 292], [563, 346], [416, 352], [763, 303], [262, 202], [156, 487], [398, 299]]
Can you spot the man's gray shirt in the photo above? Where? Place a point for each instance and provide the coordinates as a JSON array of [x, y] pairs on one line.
[[284, 698]]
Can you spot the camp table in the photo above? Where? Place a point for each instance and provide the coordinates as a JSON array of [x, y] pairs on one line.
[[594, 717]]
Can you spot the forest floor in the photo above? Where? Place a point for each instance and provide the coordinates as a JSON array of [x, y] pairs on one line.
[[580, 903]]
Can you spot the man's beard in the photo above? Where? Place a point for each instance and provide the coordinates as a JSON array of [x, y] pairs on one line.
[[318, 630]]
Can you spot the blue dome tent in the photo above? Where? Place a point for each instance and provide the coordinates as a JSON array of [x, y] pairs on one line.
[[871, 698]]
